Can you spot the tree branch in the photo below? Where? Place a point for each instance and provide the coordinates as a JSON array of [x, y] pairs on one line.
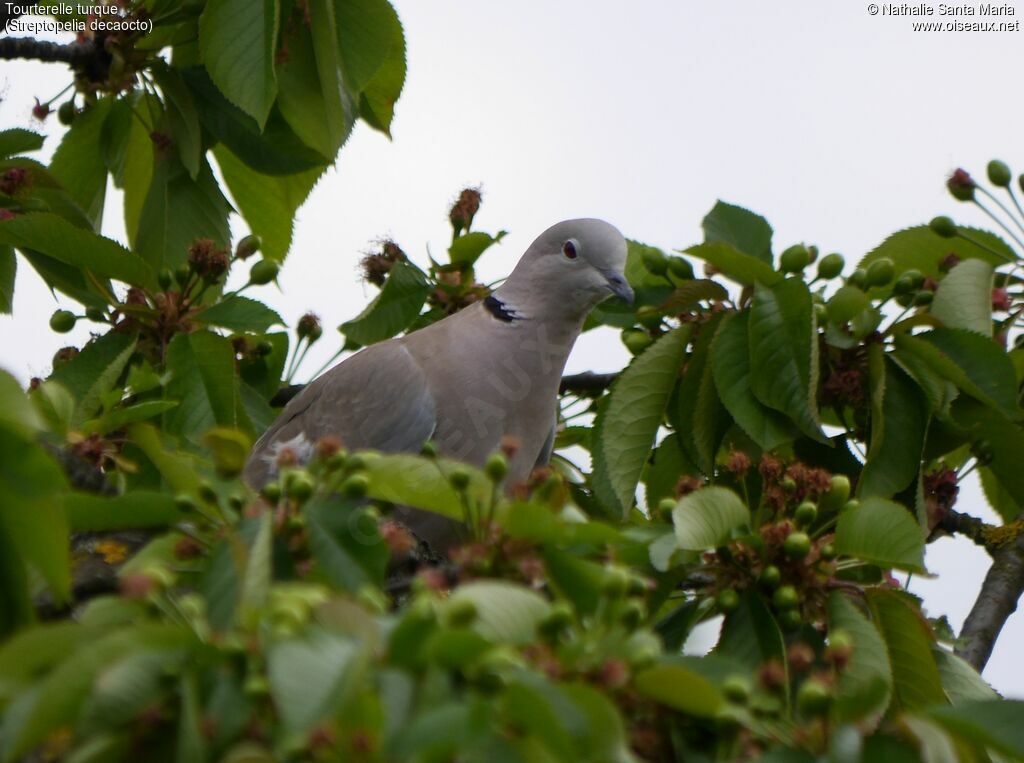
[[77, 54], [996, 601]]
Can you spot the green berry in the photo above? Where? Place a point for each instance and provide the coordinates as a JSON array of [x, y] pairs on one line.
[[805, 514], [632, 614], [785, 597], [263, 348], [680, 268], [788, 484], [828, 552], [904, 286], [429, 449], [943, 226], [831, 265], [616, 583], [271, 491], [736, 689], [355, 461], [459, 613], [916, 277], [983, 451], [557, 620], [300, 485], [182, 274], [66, 113], [850, 505], [165, 278], [96, 314], [496, 467], [790, 620], [355, 486], [848, 302], [654, 260], [248, 246], [665, 508], [924, 298], [636, 341], [727, 600], [770, 577], [794, 259], [813, 698], [185, 503], [904, 300], [649, 317], [840, 640], [62, 321], [797, 544], [858, 278], [881, 272], [263, 272], [459, 478], [998, 173]]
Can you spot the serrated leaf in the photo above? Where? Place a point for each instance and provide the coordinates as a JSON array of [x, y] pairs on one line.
[[740, 267], [421, 483], [899, 420], [394, 309], [680, 689], [19, 141], [1006, 439], [695, 407], [916, 682], [750, 634], [8, 271], [920, 249], [960, 681], [998, 497], [17, 414], [964, 297], [345, 543], [88, 512], [365, 35], [131, 414], [730, 363], [182, 116], [667, 463], [997, 724], [92, 373], [204, 384], [744, 230], [627, 425], [706, 518], [78, 163], [259, 570], [784, 353], [55, 237], [881, 532], [377, 102], [865, 685], [690, 293], [975, 364], [506, 612], [240, 314], [237, 40], [307, 677]]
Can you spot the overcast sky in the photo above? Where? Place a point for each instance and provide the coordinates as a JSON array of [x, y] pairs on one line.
[[837, 125]]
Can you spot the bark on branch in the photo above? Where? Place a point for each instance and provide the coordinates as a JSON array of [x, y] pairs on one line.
[[996, 601], [76, 54]]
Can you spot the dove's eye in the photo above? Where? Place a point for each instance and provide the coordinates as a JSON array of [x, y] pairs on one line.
[[569, 249]]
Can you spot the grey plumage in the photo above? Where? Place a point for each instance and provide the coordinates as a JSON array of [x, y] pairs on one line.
[[488, 371]]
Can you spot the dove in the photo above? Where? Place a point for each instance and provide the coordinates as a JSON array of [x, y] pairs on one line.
[[488, 372]]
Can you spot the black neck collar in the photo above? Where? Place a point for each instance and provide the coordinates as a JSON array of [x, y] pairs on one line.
[[498, 309]]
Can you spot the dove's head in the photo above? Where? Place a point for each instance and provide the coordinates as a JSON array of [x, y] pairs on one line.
[[569, 268]]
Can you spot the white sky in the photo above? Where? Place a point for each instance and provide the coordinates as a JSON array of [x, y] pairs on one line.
[[836, 125]]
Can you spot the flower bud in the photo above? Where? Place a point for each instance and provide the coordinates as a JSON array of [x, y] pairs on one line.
[[961, 185], [459, 478], [496, 467], [309, 327]]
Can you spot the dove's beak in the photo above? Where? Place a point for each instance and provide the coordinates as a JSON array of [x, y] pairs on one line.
[[619, 286]]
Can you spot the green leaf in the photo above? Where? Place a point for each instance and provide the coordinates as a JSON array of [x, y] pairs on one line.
[[706, 518], [78, 161], [899, 419], [695, 407], [1006, 439], [237, 40], [964, 297], [345, 543], [377, 102], [88, 512], [975, 364], [680, 689], [626, 427], [259, 570], [574, 578], [690, 293], [263, 373], [398, 304], [178, 210], [865, 685], [742, 229], [204, 384], [307, 677], [182, 116], [94, 371], [466, 249], [267, 203], [312, 96], [19, 141], [421, 483], [999, 498], [8, 271], [177, 469], [920, 249], [274, 150], [365, 30], [909, 642], [17, 415], [881, 532], [730, 362], [57, 238], [240, 314], [740, 267], [31, 517], [997, 724], [667, 463], [961, 682], [507, 612], [784, 353], [750, 634], [121, 417]]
